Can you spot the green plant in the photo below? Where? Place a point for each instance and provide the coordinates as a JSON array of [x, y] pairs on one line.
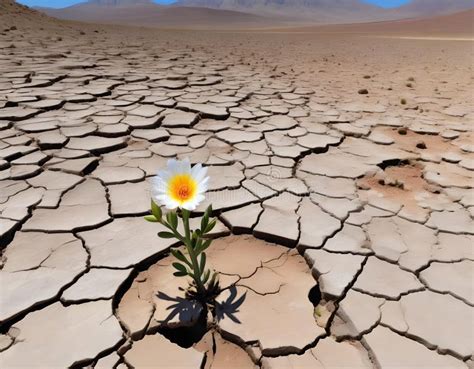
[[191, 263], [180, 188]]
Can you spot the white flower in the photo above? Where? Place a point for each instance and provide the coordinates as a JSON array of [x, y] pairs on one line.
[[179, 185]]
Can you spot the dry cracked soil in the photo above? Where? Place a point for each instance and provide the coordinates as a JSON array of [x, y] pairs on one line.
[[341, 173]]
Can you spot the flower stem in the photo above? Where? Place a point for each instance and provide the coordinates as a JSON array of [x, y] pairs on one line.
[[197, 273], [191, 251], [187, 231]]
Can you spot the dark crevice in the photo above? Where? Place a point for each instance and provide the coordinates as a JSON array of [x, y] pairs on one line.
[[393, 163], [186, 337], [314, 295]]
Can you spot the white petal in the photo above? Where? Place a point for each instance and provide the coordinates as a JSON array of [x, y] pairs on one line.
[[159, 186], [188, 206], [200, 198], [195, 171], [199, 172], [165, 175], [172, 166], [158, 180], [185, 166], [170, 203], [192, 204], [203, 185], [202, 189], [159, 196]]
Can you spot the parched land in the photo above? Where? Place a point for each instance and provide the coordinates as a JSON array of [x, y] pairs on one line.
[[341, 167]]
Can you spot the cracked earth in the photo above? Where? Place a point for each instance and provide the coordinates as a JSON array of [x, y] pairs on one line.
[[345, 234]]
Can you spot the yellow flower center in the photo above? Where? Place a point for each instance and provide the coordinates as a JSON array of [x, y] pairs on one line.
[[182, 188]]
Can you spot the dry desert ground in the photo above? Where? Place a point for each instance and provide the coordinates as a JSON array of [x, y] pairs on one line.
[[341, 162]]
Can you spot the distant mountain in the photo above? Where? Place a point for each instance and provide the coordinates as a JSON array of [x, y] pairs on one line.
[[437, 6], [119, 2], [227, 13], [278, 4], [340, 10], [457, 25], [318, 10], [249, 13], [146, 13]]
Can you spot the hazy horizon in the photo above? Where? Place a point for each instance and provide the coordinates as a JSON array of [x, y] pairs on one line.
[[65, 3]]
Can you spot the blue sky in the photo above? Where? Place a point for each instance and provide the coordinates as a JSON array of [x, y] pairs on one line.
[[387, 3], [64, 3]]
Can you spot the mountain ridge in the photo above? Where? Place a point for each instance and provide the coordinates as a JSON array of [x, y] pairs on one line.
[[251, 13], [146, 13], [339, 8]]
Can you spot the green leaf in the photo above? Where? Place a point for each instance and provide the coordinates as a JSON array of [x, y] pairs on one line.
[[206, 244], [197, 249], [150, 218], [165, 234], [202, 264], [180, 267], [203, 246], [206, 276], [172, 219], [211, 226], [180, 256], [156, 211], [180, 274], [194, 240], [204, 221], [213, 280]]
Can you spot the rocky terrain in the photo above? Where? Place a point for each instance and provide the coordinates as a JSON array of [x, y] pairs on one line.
[[341, 169]]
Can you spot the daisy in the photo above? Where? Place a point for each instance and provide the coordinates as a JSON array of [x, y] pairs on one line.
[[179, 185]]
